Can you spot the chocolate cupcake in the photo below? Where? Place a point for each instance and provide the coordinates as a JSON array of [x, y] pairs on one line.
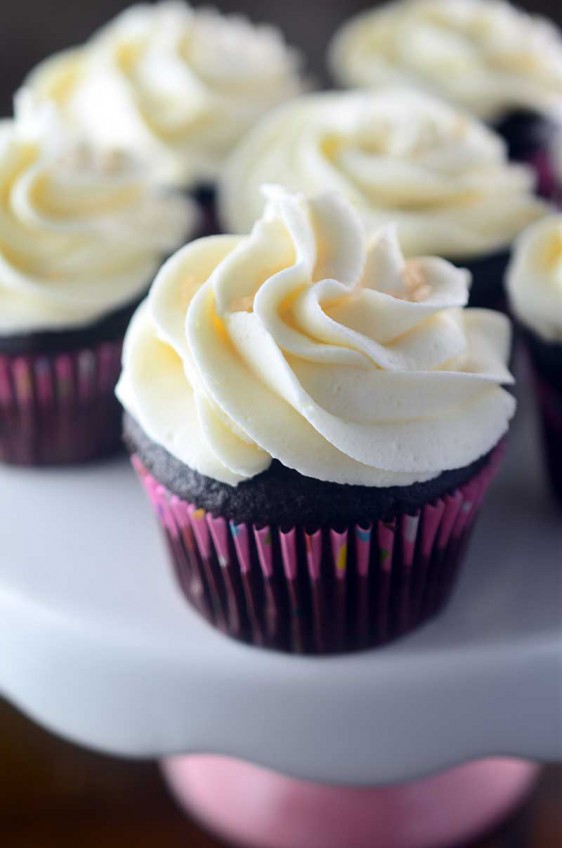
[[486, 56], [535, 296], [441, 176], [316, 421], [82, 235], [174, 85]]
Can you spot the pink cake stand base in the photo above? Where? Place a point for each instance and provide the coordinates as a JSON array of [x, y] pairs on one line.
[[257, 808]]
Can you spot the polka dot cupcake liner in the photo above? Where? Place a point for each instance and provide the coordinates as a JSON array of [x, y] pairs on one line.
[[319, 591], [59, 408]]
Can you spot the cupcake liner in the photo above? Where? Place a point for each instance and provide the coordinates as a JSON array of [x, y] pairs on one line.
[[58, 408], [549, 399], [319, 591]]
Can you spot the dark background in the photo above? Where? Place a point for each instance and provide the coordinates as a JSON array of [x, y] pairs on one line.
[[53, 795], [32, 29]]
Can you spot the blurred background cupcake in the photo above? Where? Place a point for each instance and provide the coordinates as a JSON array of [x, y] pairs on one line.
[[535, 295], [316, 421], [487, 56], [81, 236], [397, 154], [174, 85]]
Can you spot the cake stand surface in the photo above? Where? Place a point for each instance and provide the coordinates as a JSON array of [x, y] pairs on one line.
[[98, 645]]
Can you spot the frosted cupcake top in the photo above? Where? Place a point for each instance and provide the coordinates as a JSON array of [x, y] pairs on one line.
[[484, 55], [175, 85], [307, 343], [534, 279], [440, 175], [81, 233]]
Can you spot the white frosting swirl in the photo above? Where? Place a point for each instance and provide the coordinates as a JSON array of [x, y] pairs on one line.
[[534, 280], [81, 233], [175, 85], [484, 55], [397, 155], [304, 343]]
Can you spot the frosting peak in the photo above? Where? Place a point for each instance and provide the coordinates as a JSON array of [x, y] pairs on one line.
[[397, 155], [534, 279], [175, 85], [484, 55], [81, 232], [308, 342]]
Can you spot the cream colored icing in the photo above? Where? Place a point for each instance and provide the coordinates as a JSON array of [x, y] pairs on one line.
[[484, 55], [81, 233], [308, 343], [440, 175], [175, 85], [534, 279]]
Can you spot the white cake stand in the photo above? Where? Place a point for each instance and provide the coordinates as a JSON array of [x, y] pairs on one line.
[[97, 644]]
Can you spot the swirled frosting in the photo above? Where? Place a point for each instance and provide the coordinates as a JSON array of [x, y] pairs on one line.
[[534, 280], [175, 85], [306, 343], [484, 55], [398, 155], [81, 233]]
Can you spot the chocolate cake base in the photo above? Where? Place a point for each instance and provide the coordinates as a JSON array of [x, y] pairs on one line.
[[283, 497], [106, 329]]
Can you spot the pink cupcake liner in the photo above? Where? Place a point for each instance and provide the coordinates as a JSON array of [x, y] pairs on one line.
[[550, 408], [58, 408], [319, 591]]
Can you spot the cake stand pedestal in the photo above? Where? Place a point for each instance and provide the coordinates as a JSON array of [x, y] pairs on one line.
[[98, 645], [257, 808]]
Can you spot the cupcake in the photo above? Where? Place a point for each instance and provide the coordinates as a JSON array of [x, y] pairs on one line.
[[82, 234], [486, 56], [316, 420], [535, 294], [174, 85], [399, 155]]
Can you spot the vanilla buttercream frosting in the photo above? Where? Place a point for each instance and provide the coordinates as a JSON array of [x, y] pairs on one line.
[[441, 176], [534, 280], [309, 343], [175, 85], [81, 233], [484, 55]]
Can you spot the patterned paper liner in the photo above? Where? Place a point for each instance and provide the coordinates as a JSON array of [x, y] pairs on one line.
[[319, 591], [550, 407], [58, 408]]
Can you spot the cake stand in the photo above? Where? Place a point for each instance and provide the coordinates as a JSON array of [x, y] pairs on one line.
[[415, 746]]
